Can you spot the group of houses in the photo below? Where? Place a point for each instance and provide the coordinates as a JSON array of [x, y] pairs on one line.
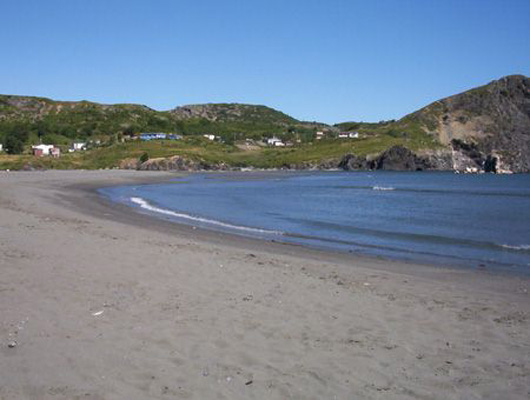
[[52, 150], [342, 135], [272, 141]]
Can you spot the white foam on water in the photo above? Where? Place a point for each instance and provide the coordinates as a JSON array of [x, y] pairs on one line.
[[146, 206], [522, 247], [383, 188]]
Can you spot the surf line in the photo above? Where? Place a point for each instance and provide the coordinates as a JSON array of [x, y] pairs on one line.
[[149, 207]]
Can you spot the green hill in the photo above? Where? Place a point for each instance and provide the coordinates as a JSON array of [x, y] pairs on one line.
[[465, 131], [60, 121]]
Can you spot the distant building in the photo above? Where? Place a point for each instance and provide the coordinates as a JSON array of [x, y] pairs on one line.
[[152, 136], [275, 142], [77, 146], [349, 135], [210, 137], [320, 135], [42, 149], [1, 147], [159, 136], [55, 152]]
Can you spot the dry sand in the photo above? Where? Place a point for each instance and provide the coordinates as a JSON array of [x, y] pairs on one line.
[[102, 303]]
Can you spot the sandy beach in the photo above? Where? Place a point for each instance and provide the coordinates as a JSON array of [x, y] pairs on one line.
[[99, 302]]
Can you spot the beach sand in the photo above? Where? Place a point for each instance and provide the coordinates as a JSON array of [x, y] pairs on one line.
[[99, 302]]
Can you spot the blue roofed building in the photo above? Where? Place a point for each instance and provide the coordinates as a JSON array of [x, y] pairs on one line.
[[159, 136]]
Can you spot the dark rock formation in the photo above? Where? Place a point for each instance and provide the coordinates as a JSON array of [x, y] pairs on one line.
[[351, 162], [398, 158], [177, 163], [490, 164]]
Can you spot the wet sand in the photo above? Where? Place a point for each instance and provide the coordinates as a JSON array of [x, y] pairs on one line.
[[99, 302]]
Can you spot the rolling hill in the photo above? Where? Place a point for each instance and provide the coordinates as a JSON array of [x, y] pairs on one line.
[[486, 128]]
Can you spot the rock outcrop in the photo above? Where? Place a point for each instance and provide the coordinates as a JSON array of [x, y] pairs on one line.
[[399, 158], [485, 123], [178, 163]]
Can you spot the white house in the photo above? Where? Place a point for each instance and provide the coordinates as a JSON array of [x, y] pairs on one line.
[[274, 141], [42, 149], [76, 146], [320, 135], [349, 135], [210, 137]]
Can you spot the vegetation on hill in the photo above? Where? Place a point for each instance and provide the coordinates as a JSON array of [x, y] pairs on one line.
[[59, 122], [208, 152], [494, 120]]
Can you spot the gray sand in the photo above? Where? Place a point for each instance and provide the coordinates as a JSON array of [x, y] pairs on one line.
[[97, 302]]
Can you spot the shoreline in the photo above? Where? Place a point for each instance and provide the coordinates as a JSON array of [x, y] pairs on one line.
[[107, 303], [99, 204], [299, 249]]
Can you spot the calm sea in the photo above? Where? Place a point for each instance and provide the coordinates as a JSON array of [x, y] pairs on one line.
[[471, 221]]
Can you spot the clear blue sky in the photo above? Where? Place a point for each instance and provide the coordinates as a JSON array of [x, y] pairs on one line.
[[327, 60]]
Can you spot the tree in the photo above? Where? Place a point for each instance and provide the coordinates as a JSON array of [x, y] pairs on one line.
[[14, 144], [144, 157], [16, 137]]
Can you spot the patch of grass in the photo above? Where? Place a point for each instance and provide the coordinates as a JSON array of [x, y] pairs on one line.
[[200, 149]]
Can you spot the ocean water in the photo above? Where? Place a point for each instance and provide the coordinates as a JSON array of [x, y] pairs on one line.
[[468, 221]]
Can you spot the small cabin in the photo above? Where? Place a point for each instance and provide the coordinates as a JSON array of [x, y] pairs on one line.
[[42, 150], [348, 135], [275, 142], [77, 146]]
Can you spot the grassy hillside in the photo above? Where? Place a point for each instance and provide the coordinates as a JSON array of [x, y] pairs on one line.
[[494, 118], [200, 149], [61, 122]]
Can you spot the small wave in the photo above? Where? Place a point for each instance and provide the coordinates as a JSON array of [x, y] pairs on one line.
[[522, 247], [448, 192], [146, 206]]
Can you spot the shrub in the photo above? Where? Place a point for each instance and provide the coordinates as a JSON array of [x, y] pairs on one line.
[[14, 144]]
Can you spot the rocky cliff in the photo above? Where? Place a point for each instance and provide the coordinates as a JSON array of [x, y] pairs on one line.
[[399, 158], [491, 122]]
